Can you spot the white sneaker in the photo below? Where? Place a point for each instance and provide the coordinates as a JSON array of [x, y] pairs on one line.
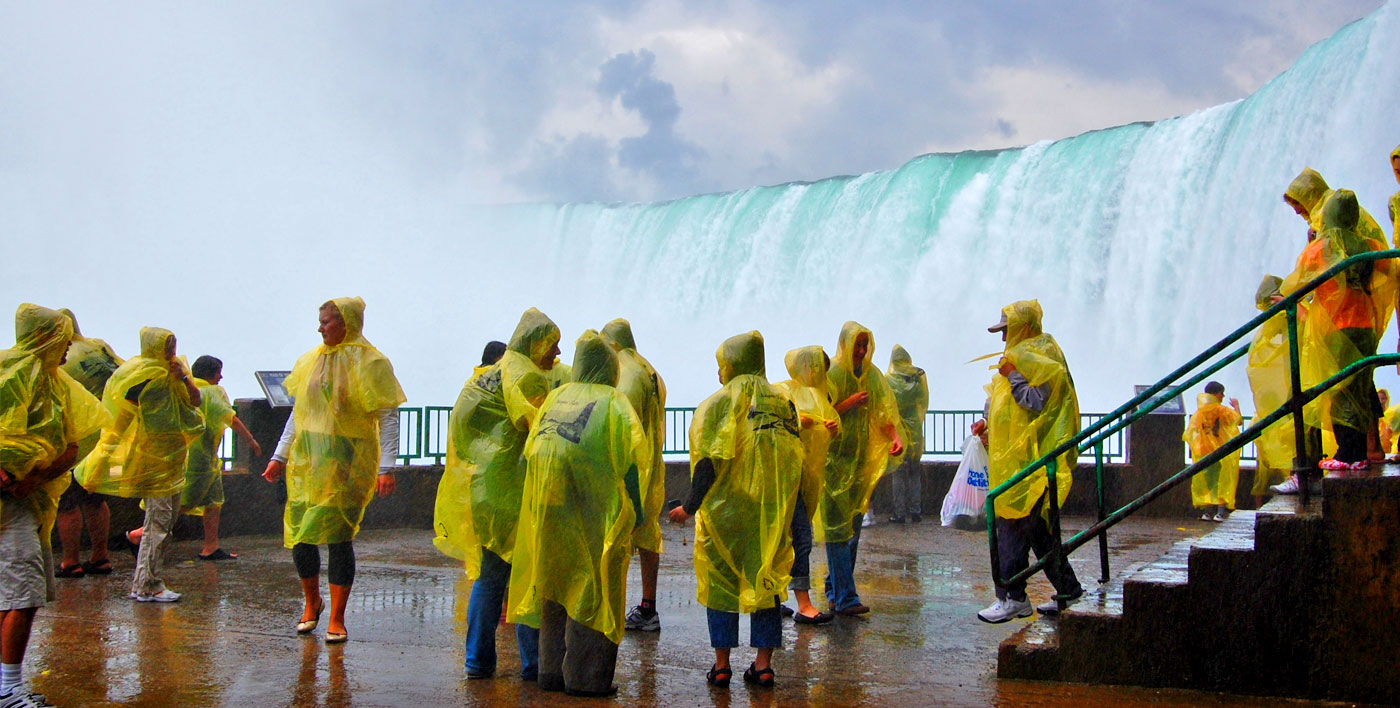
[[1003, 610], [1053, 608], [1205, 516], [20, 698], [1287, 486], [868, 521], [166, 595], [1221, 516]]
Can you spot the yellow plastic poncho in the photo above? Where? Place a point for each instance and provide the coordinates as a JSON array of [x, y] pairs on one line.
[[581, 499], [90, 361], [1395, 203], [909, 385], [807, 389], [858, 454], [334, 459], [203, 468], [559, 374], [1212, 425], [1268, 372], [749, 431], [142, 453], [646, 391], [478, 499], [42, 409], [1016, 436], [1344, 317]]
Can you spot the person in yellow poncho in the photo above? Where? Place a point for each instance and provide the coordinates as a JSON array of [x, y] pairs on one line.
[[909, 385], [646, 391], [587, 460], [1033, 409], [1395, 198], [819, 423], [490, 354], [1212, 425], [856, 459], [90, 362], [745, 471], [1344, 321], [478, 499], [337, 450], [1268, 371], [44, 414], [141, 455], [203, 494]]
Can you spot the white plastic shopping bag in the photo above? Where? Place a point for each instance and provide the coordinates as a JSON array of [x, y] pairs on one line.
[[963, 507]]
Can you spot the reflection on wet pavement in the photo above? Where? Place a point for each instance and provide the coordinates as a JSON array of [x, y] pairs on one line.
[[231, 641]]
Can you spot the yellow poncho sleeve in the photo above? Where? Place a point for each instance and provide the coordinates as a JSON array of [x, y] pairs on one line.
[[639, 382]]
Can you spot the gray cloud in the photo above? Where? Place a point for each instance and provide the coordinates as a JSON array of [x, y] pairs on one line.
[[660, 152]]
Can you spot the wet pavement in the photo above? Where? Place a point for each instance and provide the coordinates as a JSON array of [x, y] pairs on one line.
[[230, 641]]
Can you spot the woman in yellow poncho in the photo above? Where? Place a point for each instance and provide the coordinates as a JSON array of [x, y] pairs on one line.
[[44, 414], [646, 391], [1212, 425], [856, 459], [746, 468], [909, 385], [337, 450], [819, 423], [478, 499], [1344, 321], [1033, 409], [155, 408], [1268, 371], [587, 459]]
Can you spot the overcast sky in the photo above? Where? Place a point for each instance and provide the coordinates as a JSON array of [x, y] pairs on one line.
[[626, 101]]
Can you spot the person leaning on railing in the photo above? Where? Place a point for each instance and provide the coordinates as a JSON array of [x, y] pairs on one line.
[[1033, 410]]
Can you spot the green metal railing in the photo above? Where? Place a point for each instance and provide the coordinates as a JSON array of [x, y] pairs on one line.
[[1092, 438]]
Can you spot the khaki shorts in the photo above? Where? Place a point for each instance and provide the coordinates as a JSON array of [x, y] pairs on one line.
[[26, 564]]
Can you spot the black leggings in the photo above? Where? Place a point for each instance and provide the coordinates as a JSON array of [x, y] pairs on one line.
[[340, 568]]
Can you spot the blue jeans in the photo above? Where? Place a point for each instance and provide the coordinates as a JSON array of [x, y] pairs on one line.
[[765, 628], [484, 613], [801, 548], [841, 569]]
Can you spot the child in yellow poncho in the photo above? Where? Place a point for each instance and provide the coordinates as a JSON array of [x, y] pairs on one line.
[[1213, 489]]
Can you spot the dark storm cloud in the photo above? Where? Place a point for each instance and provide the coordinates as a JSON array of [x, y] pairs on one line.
[[660, 152]]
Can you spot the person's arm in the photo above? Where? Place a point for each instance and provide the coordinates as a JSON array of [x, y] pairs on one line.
[[700, 484], [38, 476], [242, 430], [388, 450], [859, 398], [277, 466], [1031, 398], [184, 377], [632, 481], [891, 431]]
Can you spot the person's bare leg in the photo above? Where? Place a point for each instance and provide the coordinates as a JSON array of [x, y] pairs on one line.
[[804, 603], [14, 634], [763, 659], [211, 530], [651, 565], [70, 534], [721, 659], [99, 521], [340, 597], [311, 592]]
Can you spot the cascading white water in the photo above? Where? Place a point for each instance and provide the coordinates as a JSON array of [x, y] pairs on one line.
[[1144, 243]]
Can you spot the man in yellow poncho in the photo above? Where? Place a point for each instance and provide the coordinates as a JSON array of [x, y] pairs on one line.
[[587, 459], [44, 414], [203, 494], [478, 499], [818, 424], [745, 470], [90, 363], [337, 450], [1032, 410], [141, 455], [1268, 371], [1212, 425], [646, 391], [1344, 322], [909, 385], [856, 459]]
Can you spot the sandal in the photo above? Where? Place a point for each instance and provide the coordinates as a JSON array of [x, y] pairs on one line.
[[760, 677], [68, 571], [219, 554], [305, 626], [719, 678], [102, 567]]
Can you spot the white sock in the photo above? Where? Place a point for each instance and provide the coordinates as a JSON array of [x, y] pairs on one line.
[[10, 677]]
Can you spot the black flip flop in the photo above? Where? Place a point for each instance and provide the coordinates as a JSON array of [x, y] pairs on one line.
[[68, 571], [102, 567], [219, 554], [819, 618]]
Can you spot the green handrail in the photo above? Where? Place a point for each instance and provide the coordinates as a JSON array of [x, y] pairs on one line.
[[1134, 409]]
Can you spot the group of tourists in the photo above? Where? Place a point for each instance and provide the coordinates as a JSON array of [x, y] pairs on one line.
[[554, 474]]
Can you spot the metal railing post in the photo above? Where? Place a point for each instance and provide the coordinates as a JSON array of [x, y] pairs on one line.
[[1103, 537], [1295, 382], [1057, 549]]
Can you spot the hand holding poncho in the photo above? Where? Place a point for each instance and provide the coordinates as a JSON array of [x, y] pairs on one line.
[[478, 499], [579, 503], [645, 390], [1017, 436], [749, 431], [142, 453], [859, 453], [42, 409], [334, 458]]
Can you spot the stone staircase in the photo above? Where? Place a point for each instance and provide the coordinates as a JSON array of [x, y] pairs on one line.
[[1283, 601]]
